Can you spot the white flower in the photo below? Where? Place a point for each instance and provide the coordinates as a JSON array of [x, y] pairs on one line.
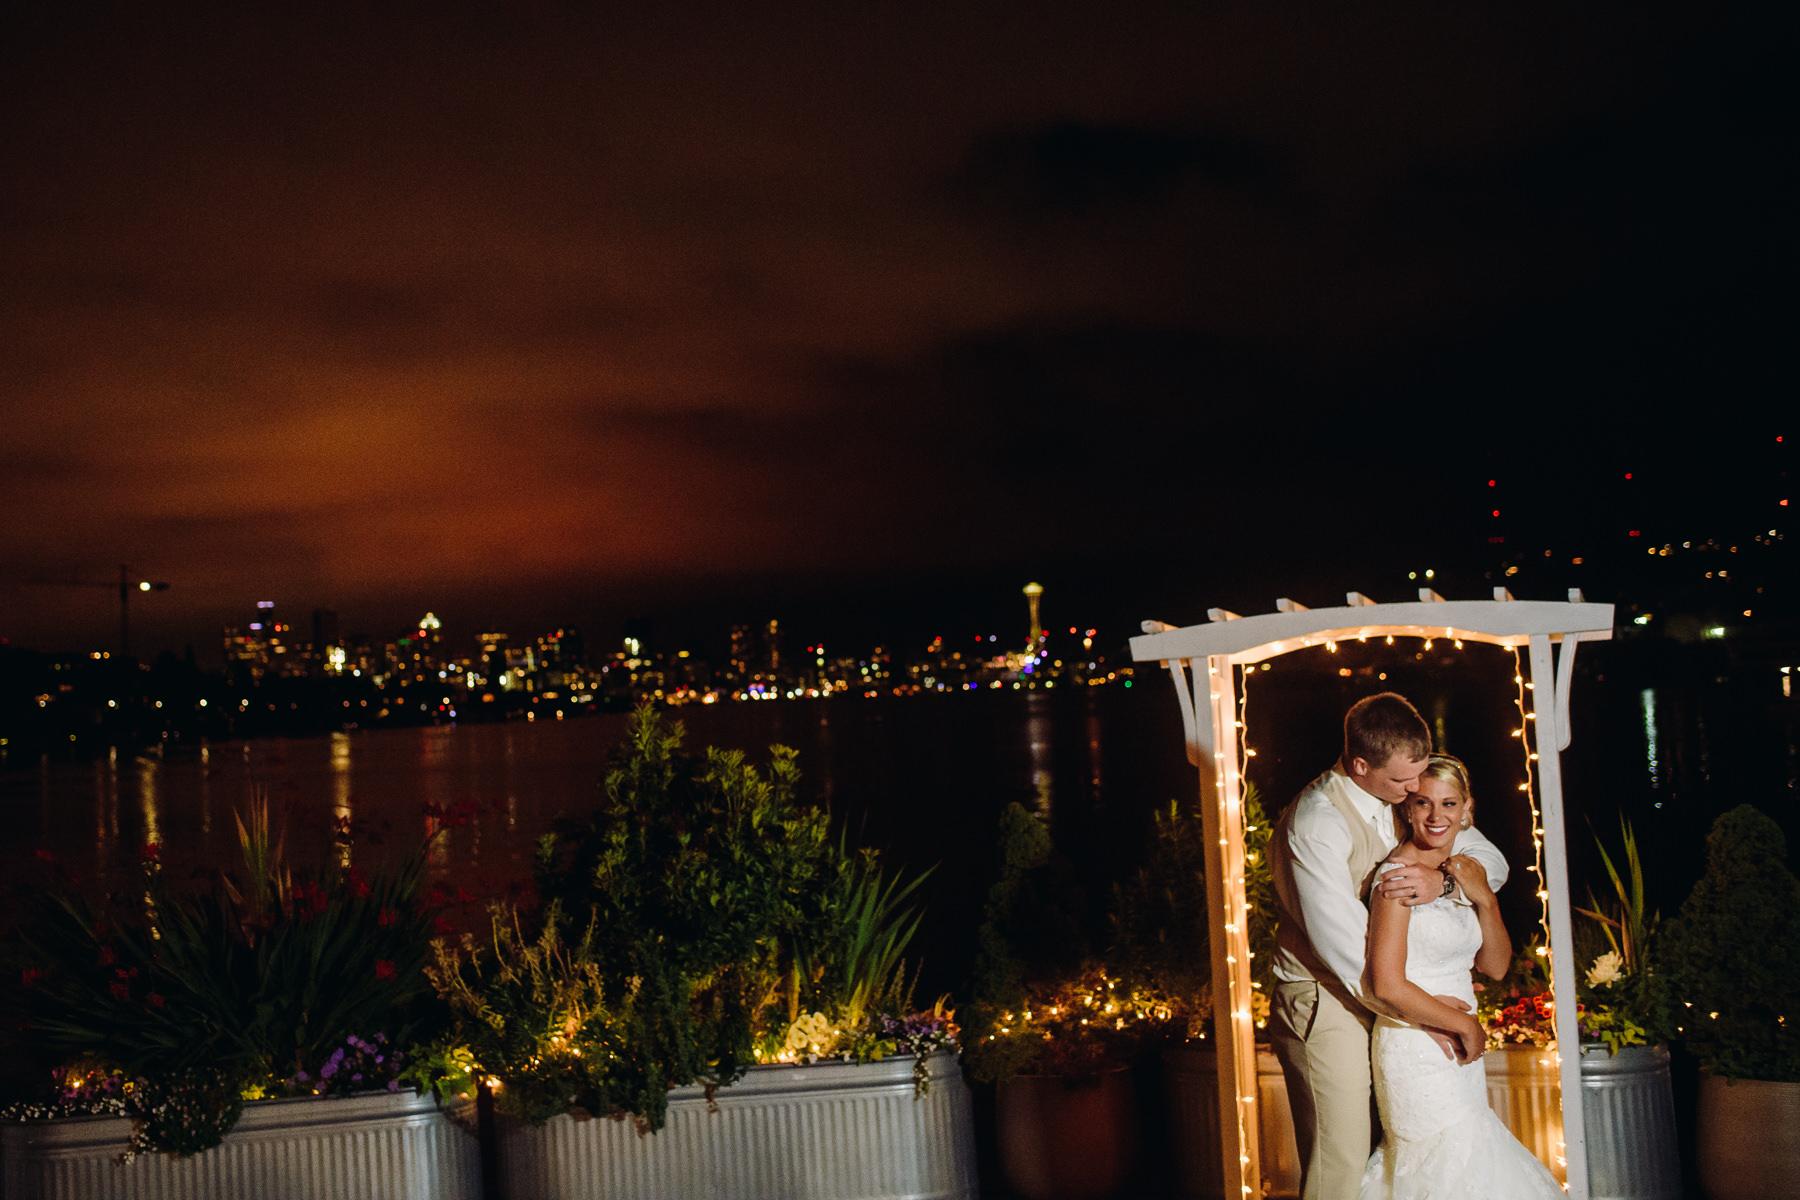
[[1607, 969]]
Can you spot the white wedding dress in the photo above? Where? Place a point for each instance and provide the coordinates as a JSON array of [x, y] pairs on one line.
[[1440, 1140]]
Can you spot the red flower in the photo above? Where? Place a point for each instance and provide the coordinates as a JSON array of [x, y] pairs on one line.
[[357, 882], [30, 975], [149, 852], [386, 917], [384, 969], [443, 926], [155, 1000], [121, 990], [106, 956], [45, 855]]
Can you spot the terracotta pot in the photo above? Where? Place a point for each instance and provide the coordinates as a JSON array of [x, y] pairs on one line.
[[1747, 1139], [1192, 1074], [1067, 1138]]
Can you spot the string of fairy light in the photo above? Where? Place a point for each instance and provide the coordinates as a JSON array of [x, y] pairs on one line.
[[1236, 907], [1526, 733], [1234, 915]]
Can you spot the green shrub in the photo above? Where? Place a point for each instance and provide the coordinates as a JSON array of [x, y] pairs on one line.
[[1732, 957], [699, 915]]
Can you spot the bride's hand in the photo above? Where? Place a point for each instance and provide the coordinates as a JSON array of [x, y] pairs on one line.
[[1471, 876], [1446, 1039], [1472, 1042]]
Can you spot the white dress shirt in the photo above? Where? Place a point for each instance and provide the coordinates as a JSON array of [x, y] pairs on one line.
[[1333, 921]]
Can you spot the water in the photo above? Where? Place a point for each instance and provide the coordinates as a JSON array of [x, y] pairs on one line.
[[925, 778]]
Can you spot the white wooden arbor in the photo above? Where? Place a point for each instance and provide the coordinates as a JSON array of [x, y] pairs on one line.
[[1200, 659]]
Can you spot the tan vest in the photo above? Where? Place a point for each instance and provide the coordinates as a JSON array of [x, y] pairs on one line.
[[1366, 854], [1366, 847]]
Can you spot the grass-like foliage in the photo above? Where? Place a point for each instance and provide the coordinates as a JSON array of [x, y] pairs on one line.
[[242, 987]]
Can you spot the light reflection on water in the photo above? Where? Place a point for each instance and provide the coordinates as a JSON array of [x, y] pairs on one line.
[[924, 780]]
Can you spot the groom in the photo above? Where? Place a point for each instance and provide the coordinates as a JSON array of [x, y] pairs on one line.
[[1323, 855]]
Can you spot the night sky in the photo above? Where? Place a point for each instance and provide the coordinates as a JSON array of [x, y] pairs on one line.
[[530, 313]]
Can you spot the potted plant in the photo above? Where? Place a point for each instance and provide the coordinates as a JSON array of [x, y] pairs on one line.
[[1054, 1027], [1161, 940], [1731, 960], [699, 922], [1627, 1100], [199, 1031]]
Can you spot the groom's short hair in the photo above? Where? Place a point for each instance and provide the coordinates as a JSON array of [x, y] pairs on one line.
[[1378, 727]]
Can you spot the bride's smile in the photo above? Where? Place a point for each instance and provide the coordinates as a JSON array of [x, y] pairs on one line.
[[1435, 813]]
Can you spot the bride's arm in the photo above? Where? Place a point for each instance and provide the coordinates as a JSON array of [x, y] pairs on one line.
[[1388, 920], [1495, 954]]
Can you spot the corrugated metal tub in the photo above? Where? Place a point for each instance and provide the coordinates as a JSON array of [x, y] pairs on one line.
[[396, 1146], [1627, 1108], [829, 1131]]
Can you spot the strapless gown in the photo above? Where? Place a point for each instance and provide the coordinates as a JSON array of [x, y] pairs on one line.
[[1440, 1140]]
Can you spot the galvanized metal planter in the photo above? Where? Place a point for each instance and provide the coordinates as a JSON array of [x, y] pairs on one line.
[[398, 1146], [1627, 1106], [1191, 1081], [829, 1131]]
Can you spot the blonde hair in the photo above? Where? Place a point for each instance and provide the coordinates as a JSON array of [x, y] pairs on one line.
[[1450, 769]]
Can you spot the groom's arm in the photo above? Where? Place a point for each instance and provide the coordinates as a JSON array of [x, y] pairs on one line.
[[1335, 921], [1421, 885]]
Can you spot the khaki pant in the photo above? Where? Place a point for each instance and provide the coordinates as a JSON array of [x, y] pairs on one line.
[[1323, 1045]]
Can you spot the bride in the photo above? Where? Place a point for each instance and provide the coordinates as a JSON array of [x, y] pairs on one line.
[[1440, 1140]]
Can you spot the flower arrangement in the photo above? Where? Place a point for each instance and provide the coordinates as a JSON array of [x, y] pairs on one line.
[[268, 982], [1517, 1009], [1615, 992], [814, 1037]]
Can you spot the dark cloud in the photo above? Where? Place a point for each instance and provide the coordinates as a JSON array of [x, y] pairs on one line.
[[619, 308], [1070, 168]]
